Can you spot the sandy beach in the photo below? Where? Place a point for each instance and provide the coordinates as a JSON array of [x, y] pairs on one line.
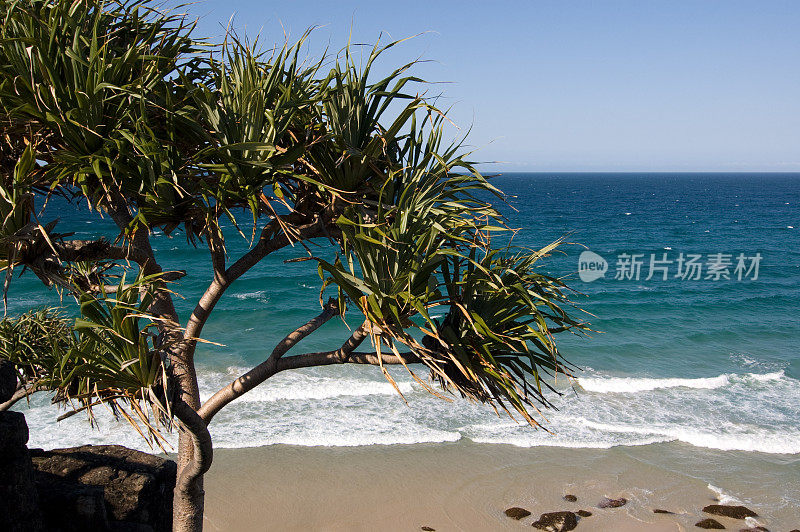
[[467, 486]]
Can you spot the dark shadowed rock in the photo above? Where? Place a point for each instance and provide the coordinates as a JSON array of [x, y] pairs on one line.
[[725, 510], [710, 523], [612, 503], [557, 522], [135, 487], [515, 512], [660, 511], [71, 507], [754, 529], [8, 380], [19, 502], [427, 529], [13, 431], [570, 498], [584, 513]]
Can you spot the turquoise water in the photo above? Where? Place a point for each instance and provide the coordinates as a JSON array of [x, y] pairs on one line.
[[712, 363]]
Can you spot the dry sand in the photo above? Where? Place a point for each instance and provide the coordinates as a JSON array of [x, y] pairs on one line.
[[467, 486]]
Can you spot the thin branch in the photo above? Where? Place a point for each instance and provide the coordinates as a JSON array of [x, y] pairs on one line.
[[327, 358], [21, 393], [266, 369], [94, 250], [277, 363], [223, 279], [272, 238]]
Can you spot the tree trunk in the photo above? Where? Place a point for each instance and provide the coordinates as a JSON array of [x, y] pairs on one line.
[[188, 501], [188, 504]]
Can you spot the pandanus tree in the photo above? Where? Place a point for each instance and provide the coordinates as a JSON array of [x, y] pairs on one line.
[[115, 104]]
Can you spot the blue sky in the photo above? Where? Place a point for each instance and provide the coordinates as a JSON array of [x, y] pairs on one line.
[[582, 86]]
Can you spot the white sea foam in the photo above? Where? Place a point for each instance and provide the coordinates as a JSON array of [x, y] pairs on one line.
[[322, 390], [752, 522], [635, 385], [764, 377], [349, 406], [568, 439], [757, 440], [260, 295], [569, 444], [298, 386], [722, 497], [333, 435]]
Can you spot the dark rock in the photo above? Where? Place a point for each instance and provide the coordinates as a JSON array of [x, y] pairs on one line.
[[754, 529], [13, 431], [136, 487], [557, 522], [8, 380], [19, 502], [427, 529], [734, 512], [127, 526], [612, 503], [710, 523], [584, 513], [71, 507], [517, 513], [660, 511], [570, 498]]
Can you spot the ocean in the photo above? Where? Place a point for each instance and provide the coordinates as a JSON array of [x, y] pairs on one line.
[[707, 357]]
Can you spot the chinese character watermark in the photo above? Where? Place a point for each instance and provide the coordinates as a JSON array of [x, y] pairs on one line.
[[664, 266]]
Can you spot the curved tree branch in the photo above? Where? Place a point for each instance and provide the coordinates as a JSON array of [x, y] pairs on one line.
[[280, 232], [266, 369], [223, 279], [276, 363]]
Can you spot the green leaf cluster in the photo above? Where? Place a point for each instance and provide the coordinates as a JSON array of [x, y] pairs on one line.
[[112, 355]]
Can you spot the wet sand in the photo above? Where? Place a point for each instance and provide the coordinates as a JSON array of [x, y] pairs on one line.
[[467, 486]]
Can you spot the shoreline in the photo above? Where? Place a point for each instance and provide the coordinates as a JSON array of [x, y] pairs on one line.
[[467, 486]]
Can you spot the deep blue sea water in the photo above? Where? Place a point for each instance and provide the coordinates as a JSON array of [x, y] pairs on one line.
[[712, 363]]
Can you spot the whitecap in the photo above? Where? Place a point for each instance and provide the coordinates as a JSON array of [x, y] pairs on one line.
[[737, 439], [634, 385], [260, 294]]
